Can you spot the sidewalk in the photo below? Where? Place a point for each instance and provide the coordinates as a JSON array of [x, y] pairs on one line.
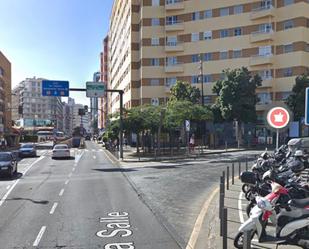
[[130, 154]]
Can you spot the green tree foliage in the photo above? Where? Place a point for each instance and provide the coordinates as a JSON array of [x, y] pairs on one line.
[[236, 96], [296, 101], [183, 91]]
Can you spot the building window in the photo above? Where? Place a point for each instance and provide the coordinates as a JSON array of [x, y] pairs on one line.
[[155, 22], [207, 100], [195, 58], [288, 48], [264, 98], [288, 2], [238, 9], [288, 24], [288, 72], [170, 81], [285, 95], [307, 45], [224, 12], [155, 62], [171, 20], [224, 55], [155, 2], [171, 41], [237, 31], [208, 14], [1, 71], [224, 33], [265, 51], [155, 41], [195, 16], [195, 37], [265, 27], [207, 78], [207, 56], [237, 53], [207, 35], [154, 82], [195, 79], [170, 61], [265, 74]]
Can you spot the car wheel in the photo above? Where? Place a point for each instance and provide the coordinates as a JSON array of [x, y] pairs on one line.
[[15, 172]]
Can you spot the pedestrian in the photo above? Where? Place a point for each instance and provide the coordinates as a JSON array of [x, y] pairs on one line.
[[3, 143], [192, 143], [126, 142]]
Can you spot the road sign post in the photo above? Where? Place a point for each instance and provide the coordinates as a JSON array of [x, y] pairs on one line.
[[306, 107], [55, 88], [278, 118]]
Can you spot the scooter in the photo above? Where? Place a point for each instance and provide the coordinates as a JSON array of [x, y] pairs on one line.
[[292, 226]]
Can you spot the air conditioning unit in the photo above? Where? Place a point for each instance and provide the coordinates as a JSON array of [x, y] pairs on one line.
[[155, 101]]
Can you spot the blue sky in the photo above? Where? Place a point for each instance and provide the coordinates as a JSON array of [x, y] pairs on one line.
[[57, 39]]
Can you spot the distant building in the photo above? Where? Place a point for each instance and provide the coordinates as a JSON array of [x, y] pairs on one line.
[[94, 107], [80, 121], [38, 110], [5, 96]]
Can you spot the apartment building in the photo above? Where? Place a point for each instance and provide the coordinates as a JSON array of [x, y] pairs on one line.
[[68, 109], [38, 110], [80, 121], [154, 43], [5, 95]]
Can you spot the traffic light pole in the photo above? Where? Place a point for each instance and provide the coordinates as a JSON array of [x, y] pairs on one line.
[[120, 92]]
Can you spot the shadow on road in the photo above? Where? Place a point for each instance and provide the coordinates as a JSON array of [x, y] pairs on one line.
[[59, 158], [28, 199], [7, 178], [115, 170]]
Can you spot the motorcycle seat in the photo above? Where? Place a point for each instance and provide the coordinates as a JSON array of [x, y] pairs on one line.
[[299, 203]]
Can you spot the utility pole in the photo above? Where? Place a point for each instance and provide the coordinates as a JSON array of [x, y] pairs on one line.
[[201, 77]]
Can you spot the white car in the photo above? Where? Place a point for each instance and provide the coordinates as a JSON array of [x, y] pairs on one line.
[[61, 151]]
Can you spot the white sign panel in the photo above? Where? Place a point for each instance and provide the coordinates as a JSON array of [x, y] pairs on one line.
[[95, 89]]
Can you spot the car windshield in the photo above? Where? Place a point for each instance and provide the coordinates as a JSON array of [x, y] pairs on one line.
[[61, 147], [5, 157], [27, 146]]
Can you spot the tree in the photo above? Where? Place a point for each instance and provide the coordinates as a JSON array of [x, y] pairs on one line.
[[183, 91], [296, 101], [236, 96]]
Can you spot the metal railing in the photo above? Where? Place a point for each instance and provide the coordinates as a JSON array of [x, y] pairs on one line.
[[260, 32], [173, 43], [174, 22], [263, 8], [169, 2]]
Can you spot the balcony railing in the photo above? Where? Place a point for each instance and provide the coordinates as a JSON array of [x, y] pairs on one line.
[[169, 2], [257, 60], [174, 5], [262, 12], [173, 46], [174, 68], [262, 35], [174, 22], [174, 25], [263, 8]]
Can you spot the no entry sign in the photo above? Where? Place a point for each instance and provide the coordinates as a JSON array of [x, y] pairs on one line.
[[278, 117]]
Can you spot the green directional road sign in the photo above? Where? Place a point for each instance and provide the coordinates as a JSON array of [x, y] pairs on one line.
[[95, 89]]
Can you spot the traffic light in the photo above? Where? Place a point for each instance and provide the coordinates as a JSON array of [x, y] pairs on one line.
[[86, 108], [81, 112], [20, 109]]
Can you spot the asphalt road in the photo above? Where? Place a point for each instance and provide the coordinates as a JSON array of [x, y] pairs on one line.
[[85, 202]]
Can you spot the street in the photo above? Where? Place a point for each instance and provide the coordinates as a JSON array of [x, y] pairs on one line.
[[84, 202]]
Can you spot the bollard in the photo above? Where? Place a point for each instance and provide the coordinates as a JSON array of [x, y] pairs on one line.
[[224, 228], [233, 173], [246, 164], [227, 178], [247, 240], [239, 169], [221, 208]]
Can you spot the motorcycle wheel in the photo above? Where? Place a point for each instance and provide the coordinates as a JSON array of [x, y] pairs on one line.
[[245, 188], [249, 207], [239, 239], [248, 195]]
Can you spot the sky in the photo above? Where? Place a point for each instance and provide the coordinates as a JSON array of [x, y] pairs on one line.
[[54, 39]]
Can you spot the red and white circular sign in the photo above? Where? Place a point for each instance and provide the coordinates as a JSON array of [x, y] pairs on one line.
[[278, 117]]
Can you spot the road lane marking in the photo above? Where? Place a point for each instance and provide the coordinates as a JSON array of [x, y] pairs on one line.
[[61, 192], [100, 150], [8, 187], [94, 157], [53, 208], [17, 181], [93, 150], [86, 150], [241, 215], [73, 169], [39, 237], [66, 182], [78, 157], [199, 221], [70, 174]]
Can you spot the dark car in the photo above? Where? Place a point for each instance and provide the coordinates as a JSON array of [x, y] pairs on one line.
[[8, 164], [27, 150]]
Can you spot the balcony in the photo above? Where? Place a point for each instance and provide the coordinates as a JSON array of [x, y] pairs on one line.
[[267, 82], [262, 12], [174, 47], [174, 26], [174, 5], [258, 60], [261, 36], [174, 68], [262, 107]]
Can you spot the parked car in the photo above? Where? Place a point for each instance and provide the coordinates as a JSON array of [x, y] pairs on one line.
[[27, 150], [8, 164], [61, 151]]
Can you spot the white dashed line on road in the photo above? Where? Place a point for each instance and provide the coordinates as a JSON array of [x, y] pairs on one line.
[[61, 192], [94, 157], [8, 187], [66, 182], [39, 237], [93, 150], [53, 208], [73, 169], [70, 174]]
